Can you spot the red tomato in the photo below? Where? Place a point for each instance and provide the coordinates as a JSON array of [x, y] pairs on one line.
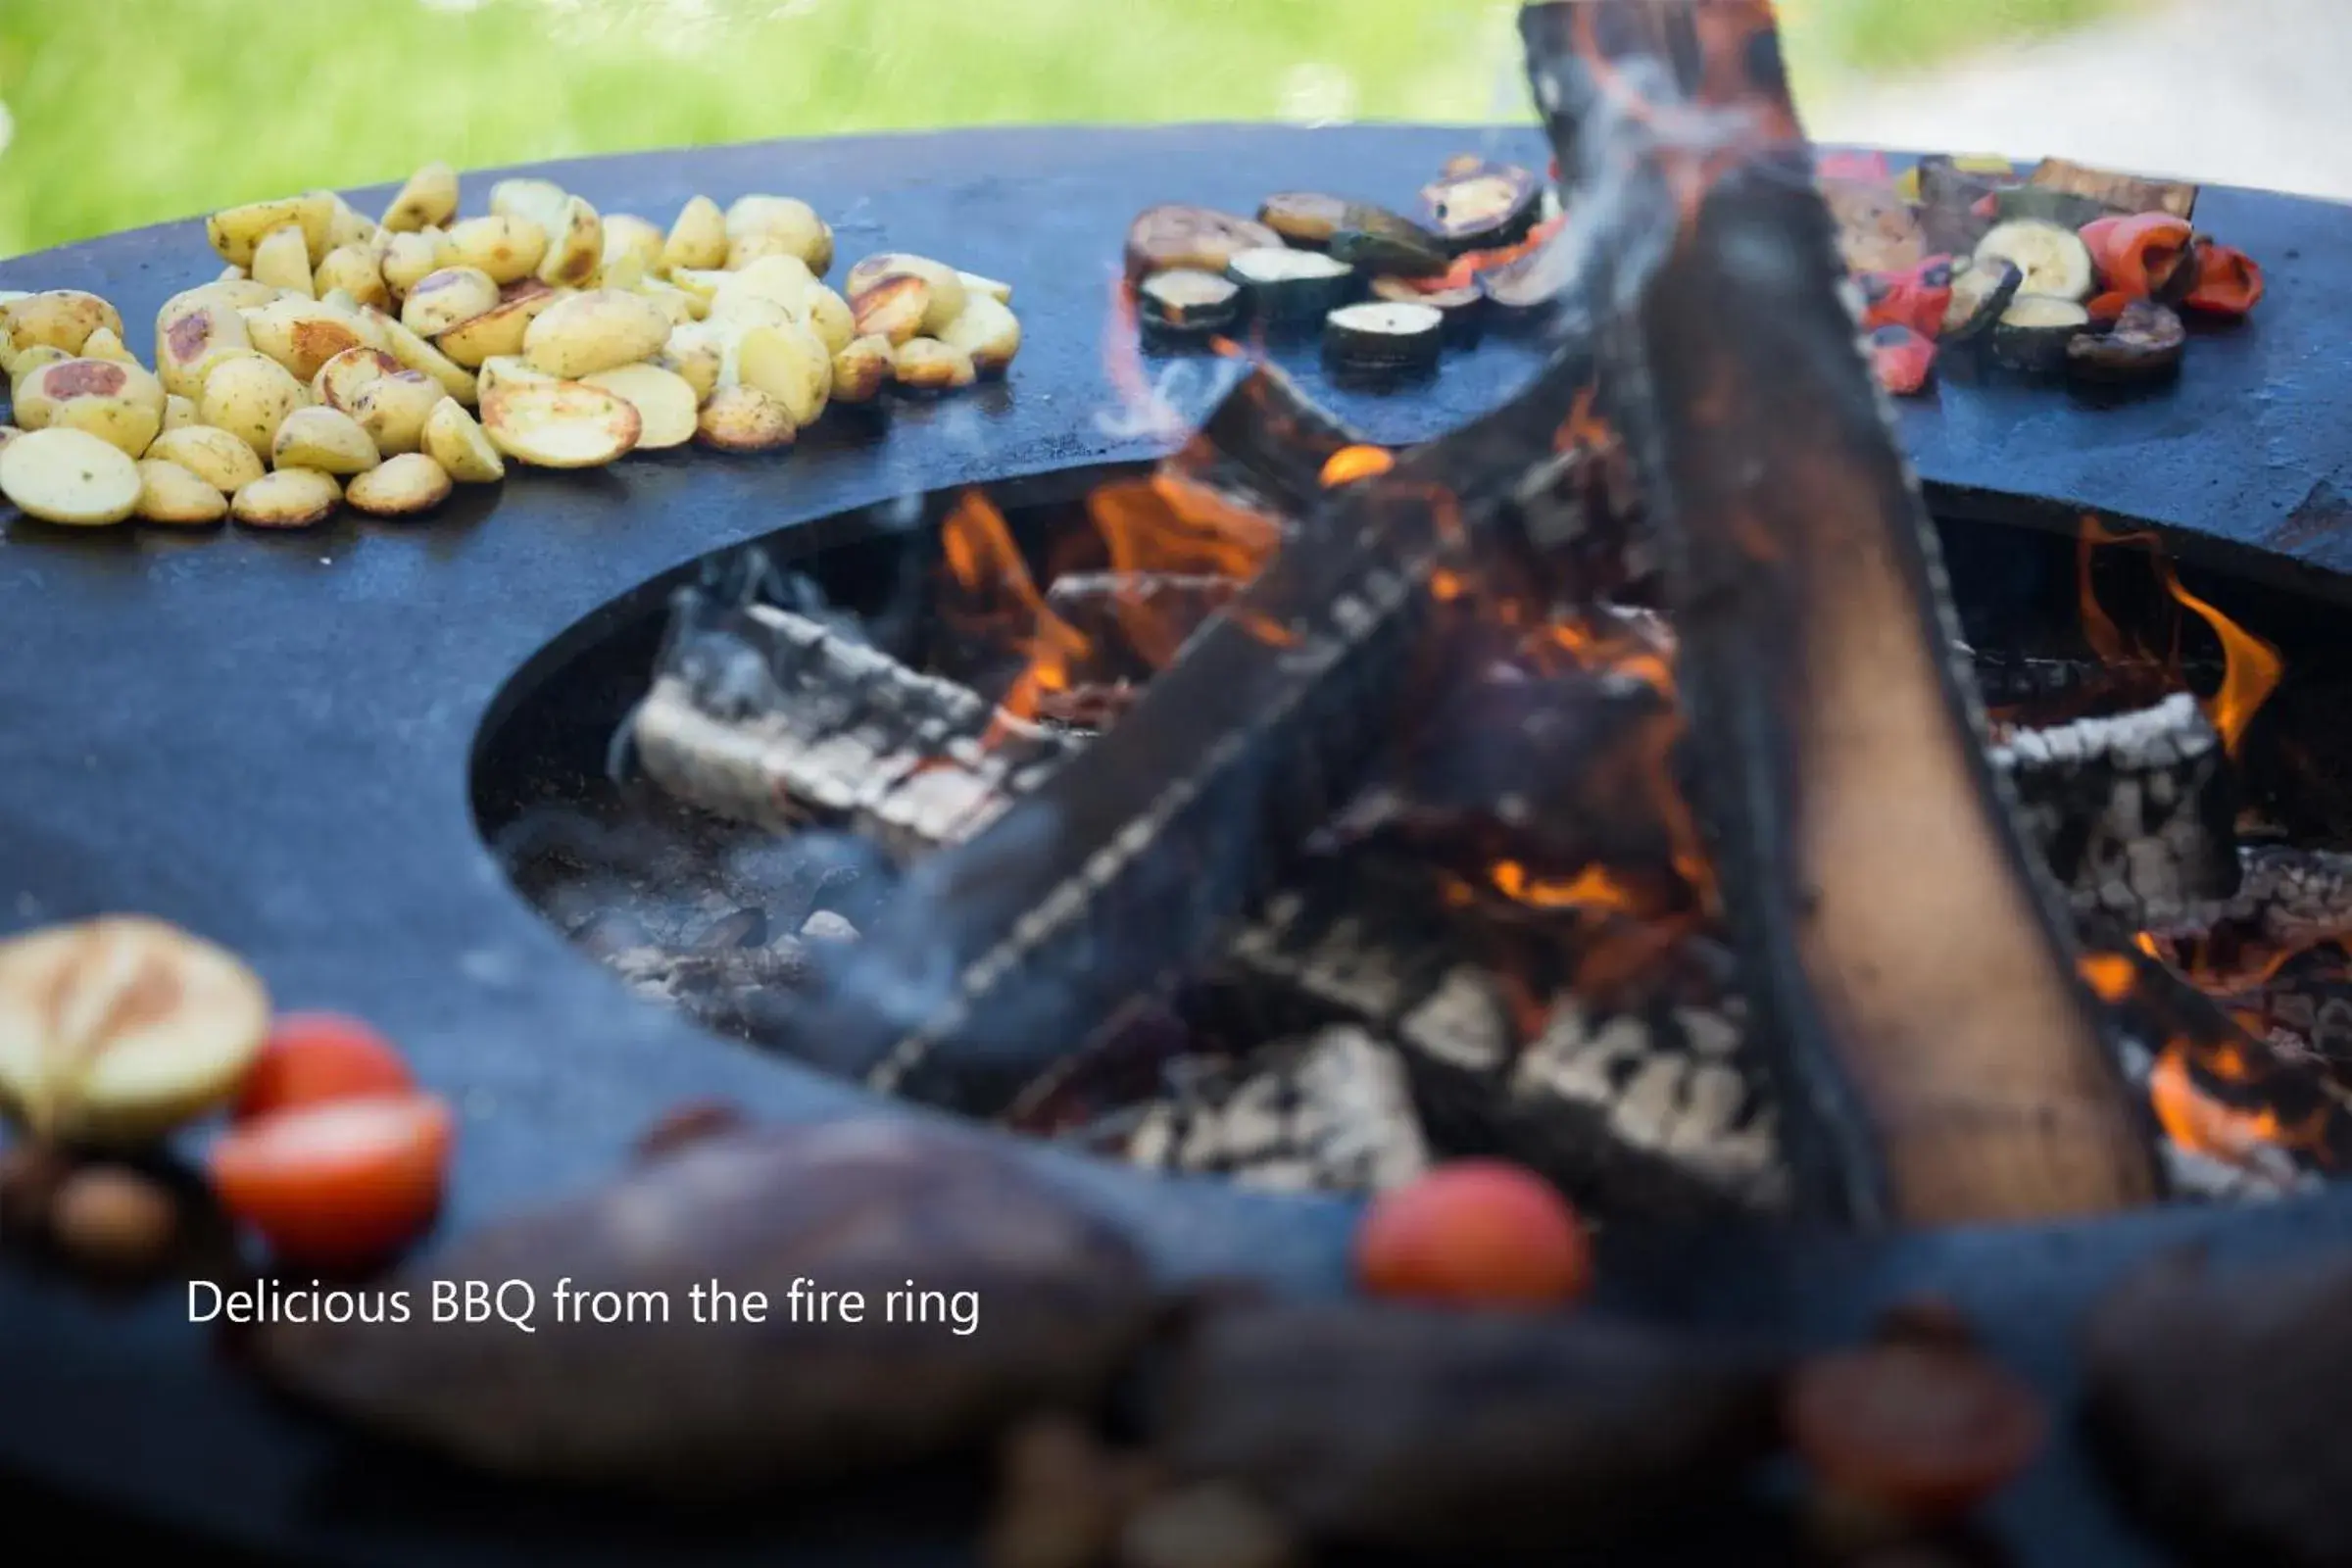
[[1929, 1431], [338, 1185], [2229, 282], [312, 1057], [1475, 1233]]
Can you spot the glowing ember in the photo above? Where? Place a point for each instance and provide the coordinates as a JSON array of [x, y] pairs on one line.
[[996, 591], [1351, 463]]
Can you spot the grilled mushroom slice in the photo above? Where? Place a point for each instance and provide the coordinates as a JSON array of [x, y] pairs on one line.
[[2146, 344], [1303, 217], [1489, 207], [2037, 331], [1197, 238]]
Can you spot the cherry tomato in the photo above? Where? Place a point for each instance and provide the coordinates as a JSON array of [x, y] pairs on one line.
[[1475, 1233], [312, 1057], [340, 1184]]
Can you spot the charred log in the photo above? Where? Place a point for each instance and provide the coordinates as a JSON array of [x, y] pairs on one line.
[[1936, 1057], [2134, 814], [1265, 447], [769, 717]]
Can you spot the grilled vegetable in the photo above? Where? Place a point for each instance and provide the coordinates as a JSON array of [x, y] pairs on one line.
[[2151, 256], [428, 200], [452, 439], [744, 418], [191, 338], [987, 330], [339, 1185], [236, 232], [1904, 359], [926, 364], [2121, 193], [1916, 298], [290, 498], [1485, 209], [446, 296], [302, 335], [221, 460], [2056, 263], [67, 476], [427, 360], [1381, 241], [790, 226], [502, 329], [1385, 336], [326, 439], [312, 1058], [560, 425], [664, 403], [1283, 287], [60, 319], [601, 330], [789, 364], [354, 270], [2036, 330], [893, 309], [1877, 231], [2044, 205], [2145, 342], [860, 370], [1171, 238], [249, 396], [393, 409], [1189, 301], [1527, 283], [402, 487], [2229, 282], [698, 238], [172, 494], [1980, 293], [282, 259], [1464, 309], [1303, 216], [119, 404]]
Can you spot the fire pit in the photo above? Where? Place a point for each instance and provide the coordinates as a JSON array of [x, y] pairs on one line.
[[283, 742]]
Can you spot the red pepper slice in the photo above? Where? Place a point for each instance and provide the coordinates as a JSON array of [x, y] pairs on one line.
[[2229, 281], [1904, 359], [2107, 308], [2140, 255], [1916, 298]]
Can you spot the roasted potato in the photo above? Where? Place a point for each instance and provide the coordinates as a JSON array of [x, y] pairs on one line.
[[697, 239], [428, 200], [60, 319], [629, 238], [69, 476], [560, 425], [679, 305], [788, 363], [786, 218], [896, 307], [352, 269], [695, 353], [974, 283], [576, 246], [497, 331], [221, 460], [405, 486], [326, 439], [419, 354], [860, 370], [290, 498], [341, 380], [508, 370], [664, 402], [507, 249], [348, 227], [744, 418], [828, 315], [119, 404], [31, 360], [782, 278], [413, 258], [945, 285], [392, 409], [103, 344], [237, 232], [250, 395], [988, 331], [454, 440], [534, 199], [302, 334], [446, 296], [178, 413], [193, 337], [927, 365], [238, 293], [282, 261], [599, 330], [172, 494]]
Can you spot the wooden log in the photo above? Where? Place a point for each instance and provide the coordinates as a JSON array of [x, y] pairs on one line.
[[1265, 446], [1936, 1057]]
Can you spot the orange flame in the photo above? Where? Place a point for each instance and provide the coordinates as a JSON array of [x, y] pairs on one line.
[[1592, 889], [2250, 669], [1351, 463], [2202, 1124], [987, 567]]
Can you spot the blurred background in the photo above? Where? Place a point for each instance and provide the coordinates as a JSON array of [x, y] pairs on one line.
[[118, 113]]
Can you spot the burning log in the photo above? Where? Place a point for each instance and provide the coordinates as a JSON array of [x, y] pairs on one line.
[[2136, 814], [1267, 446], [1464, 1437], [1102, 605], [1936, 1057], [769, 717]]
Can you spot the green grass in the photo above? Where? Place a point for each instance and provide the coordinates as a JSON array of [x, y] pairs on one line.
[[130, 112]]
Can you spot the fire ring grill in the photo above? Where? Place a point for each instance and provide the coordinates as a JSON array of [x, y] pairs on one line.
[[268, 739]]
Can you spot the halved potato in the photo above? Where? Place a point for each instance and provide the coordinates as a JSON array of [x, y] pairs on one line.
[[170, 493], [60, 319], [560, 425], [341, 380], [829, 316], [402, 487], [349, 226], [860, 370], [326, 439], [428, 200], [895, 307], [221, 460], [117, 1030], [178, 413], [744, 418], [499, 331], [302, 334], [419, 355], [352, 270], [103, 344], [410, 259], [119, 404], [743, 251], [508, 369], [929, 366], [238, 293], [282, 259], [193, 338], [630, 238], [974, 283], [783, 218], [783, 278], [250, 395], [599, 330], [290, 498], [946, 285], [31, 360], [664, 402], [695, 353], [454, 440], [236, 232], [698, 238], [679, 305], [392, 409], [508, 248], [69, 476], [698, 283], [533, 199], [576, 246], [446, 296], [787, 363], [988, 331]]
